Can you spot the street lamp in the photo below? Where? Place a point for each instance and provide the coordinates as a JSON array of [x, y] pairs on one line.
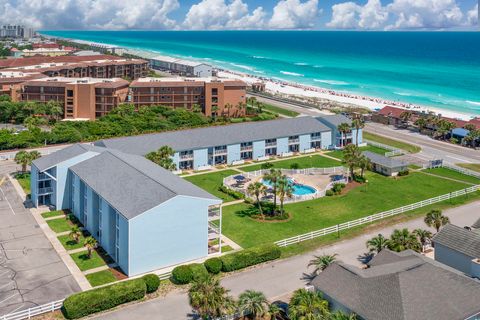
[[366, 185]]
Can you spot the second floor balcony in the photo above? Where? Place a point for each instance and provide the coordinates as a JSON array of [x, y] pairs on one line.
[[270, 144], [220, 152], [293, 141], [46, 190]]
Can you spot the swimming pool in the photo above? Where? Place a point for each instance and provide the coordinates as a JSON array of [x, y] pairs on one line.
[[298, 189]]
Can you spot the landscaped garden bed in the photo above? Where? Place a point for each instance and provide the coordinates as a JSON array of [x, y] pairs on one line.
[[86, 263], [50, 214], [70, 244], [101, 278], [62, 224]]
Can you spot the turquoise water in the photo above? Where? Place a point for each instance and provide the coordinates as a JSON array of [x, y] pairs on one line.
[[437, 69], [298, 189]]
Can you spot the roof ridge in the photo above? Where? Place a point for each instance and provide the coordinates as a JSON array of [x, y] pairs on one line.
[[138, 170]]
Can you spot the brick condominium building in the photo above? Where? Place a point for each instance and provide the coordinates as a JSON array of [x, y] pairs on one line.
[[214, 96], [83, 98]]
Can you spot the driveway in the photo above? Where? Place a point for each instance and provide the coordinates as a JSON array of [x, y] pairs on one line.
[[31, 272], [278, 279]]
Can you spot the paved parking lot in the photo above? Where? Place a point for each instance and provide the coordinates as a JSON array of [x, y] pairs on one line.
[[31, 272]]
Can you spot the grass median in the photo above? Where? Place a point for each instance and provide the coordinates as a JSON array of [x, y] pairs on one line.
[[391, 142]]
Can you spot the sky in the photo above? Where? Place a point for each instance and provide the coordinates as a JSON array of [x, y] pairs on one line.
[[242, 14]]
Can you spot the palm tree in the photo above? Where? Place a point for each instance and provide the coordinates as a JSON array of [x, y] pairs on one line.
[[257, 189], [364, 164], [22, 158], [377, 244], [351, 156], [435, 219], [163, 157], [322, 262], [275, 312], [424, 236], [209, 299], [90, 243], [343, 128], [306, 305], [339, 315], [253, 304], [405, 116], [285, 189], [34, 155], [214, 112], [75, 233], [273, 177], [357, 124], [421, 123], [401, 240]]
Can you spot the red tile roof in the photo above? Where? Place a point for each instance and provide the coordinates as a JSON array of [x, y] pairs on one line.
[[389, 111], [22, 62]]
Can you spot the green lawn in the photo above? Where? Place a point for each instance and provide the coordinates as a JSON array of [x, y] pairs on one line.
[[381, 194], [339, 153], [50, 214], [24, 181], [60, 225], [394, 143], [210, 182], [470, 166], [69, 244], [85, 263], [279, 110], [226, 249], [101, 277], [313, 161], [445, 172]]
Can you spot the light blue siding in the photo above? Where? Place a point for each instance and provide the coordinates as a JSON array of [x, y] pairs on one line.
[[233, 153], [173, 232], [452, 258], [61, 188], [34, 185], [200, 158], [360, 136], [305, 142], [176, 159], [326, 140], [258, 149], [123, 241], [282, 145]]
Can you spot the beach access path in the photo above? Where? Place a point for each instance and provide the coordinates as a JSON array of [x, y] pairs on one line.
[[278, 279]]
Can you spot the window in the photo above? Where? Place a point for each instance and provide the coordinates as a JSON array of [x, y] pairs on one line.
[[214, 91], [69, 93]]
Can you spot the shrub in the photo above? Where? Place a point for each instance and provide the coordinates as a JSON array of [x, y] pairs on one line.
[[249, 257], [337, 188], [294, 166], [359, 179], [198, 271], [266, 165], [85, 303], [230, 192], [329, 193], [182, 274], [152, 281], [403, 173], [213, 265]]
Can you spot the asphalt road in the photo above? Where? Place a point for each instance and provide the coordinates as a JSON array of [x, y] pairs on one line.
[[278, 279], [31, 272]]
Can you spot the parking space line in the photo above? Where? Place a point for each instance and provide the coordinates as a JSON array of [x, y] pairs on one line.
[[4, 196], [13, 295]]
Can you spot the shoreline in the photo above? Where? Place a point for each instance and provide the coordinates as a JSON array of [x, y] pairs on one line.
[[279, 86]]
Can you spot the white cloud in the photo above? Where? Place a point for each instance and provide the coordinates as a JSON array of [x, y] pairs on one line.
[[472, 16], [217, 14], [399, 14], [93, 14], [294, 14]]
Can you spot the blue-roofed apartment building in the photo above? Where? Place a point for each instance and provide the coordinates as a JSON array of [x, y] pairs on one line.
[[204, 147], [145, 217]]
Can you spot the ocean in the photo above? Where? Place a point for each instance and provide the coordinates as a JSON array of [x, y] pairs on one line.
[[435, 69]]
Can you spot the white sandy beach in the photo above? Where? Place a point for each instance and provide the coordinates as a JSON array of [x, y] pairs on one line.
[[283, 87]]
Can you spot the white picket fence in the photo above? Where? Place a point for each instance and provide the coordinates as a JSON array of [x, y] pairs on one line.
[[374, 217], [462, 170], [393, 151], [35, 311]]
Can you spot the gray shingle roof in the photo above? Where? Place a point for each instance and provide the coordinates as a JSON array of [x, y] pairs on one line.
[[459, 239], [216, 136], [132, 184], [65, 154], [336, 119], [384, 161], [476, 225], [412, 288]]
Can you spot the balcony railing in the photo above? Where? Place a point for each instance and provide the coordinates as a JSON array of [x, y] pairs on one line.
[[246, 148], [270, 144], [43, 176], [45, 190], [186, 156], [315, 138], [220, 152], [293, 141], [214, 213]]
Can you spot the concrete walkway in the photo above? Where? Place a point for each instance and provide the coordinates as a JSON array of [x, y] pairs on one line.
[[279, 278], [52, 237]]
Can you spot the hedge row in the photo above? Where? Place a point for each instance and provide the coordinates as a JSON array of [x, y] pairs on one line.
[[234, 261], [85, 303], [249, 257]]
